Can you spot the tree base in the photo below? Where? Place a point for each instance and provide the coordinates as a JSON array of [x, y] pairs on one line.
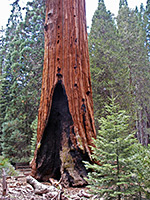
[[58, 155]]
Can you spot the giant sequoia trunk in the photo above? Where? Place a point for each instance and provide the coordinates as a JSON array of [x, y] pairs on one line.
[[65, 121]]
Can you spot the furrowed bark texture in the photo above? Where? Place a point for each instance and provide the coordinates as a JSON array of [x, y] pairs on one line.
[[66, 120]]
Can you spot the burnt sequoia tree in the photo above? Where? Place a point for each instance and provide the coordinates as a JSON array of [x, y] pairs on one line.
[[65, 120]]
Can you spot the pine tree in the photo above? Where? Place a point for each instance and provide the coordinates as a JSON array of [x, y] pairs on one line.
[[33, 29], [107, 70], [133, 51], [22, 69], [112, 173], [99, 43], [12, 127], [147, 25], [141, 159], [1, 85], [32, 53], [6, 50], [123, 3]]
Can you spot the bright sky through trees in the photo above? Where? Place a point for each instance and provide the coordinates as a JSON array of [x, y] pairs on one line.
[[91, 6]]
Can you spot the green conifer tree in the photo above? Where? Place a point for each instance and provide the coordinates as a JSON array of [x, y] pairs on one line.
[[123, 3], [99, 46], [1, 85], [22, 69], [134, 56], [112, 173], [107, 71], [141, 159], [147, 27], [13, 137], [33, 29], [6, 50]]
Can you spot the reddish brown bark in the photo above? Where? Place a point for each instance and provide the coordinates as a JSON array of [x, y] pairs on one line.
[[66, 108]]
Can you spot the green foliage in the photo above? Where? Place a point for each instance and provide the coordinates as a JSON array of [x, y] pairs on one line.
[[123, 3], [112, 174], [102, 41], [119, 60], [14, 141], [21, 77], [147, 25], [108, 73], [141, 158], [5, 164], [132, 37]]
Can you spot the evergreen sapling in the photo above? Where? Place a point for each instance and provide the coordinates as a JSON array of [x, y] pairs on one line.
[[111, 175]]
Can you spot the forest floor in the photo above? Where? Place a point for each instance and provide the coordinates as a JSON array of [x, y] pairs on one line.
[[19, 189]]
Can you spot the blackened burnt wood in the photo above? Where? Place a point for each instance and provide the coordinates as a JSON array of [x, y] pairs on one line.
[[65, 120]]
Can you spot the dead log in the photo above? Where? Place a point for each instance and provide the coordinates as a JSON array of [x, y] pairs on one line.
[[41, 188], [66, 119], [82, 193]]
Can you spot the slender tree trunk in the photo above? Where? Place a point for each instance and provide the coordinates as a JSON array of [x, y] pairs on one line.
[[142, 126], [66, 120], [118, 172]]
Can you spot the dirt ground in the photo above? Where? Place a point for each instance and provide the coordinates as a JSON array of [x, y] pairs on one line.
[[19, 189]]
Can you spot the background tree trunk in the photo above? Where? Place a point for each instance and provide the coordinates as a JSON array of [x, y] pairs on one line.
[[66, 120]]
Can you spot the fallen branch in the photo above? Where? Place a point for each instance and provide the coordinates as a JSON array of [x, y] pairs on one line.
[[82, 193], [41, 188]]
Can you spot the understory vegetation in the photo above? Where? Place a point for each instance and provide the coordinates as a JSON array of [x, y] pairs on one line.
[[121, 163]]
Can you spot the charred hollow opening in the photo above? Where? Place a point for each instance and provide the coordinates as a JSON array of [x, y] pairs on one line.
[[48, 160]]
